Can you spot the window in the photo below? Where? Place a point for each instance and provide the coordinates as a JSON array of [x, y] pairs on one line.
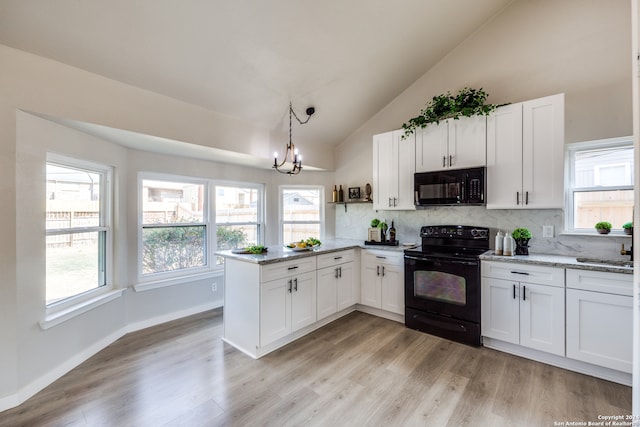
[[78, 233], [600, 184], [238, 217], [174, 225], [301, 213]]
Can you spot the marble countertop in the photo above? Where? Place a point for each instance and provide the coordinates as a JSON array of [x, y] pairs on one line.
[[556, 261], [279, 253]]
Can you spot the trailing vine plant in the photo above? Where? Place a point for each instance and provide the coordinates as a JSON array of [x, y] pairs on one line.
[[468, 102]]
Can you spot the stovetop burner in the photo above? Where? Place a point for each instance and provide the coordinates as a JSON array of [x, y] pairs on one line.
[[452, 241]]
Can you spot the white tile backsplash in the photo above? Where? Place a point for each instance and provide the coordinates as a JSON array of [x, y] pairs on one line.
[[353, 224]]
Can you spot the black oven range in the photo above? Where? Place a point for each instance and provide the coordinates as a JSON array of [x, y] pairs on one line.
[[442, 282]]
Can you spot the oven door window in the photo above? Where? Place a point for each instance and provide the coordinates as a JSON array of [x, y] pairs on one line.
[[440, 286]]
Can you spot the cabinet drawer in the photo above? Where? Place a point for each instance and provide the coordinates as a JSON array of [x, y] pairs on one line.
[[382, 256], [550, 276], [335, 258], [288, 268], [600, 281]]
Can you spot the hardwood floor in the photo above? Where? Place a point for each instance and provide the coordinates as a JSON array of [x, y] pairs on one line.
[[357, 371]]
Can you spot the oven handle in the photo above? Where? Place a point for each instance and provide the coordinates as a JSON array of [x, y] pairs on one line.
[[452, 261]]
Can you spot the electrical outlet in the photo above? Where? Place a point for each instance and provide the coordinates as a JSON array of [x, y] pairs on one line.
[[547, 231], [214, 287]]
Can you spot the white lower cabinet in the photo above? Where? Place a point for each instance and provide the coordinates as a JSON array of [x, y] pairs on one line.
[[383, 280], [337, 288], [517, 310], [600, 318], [286, 305]]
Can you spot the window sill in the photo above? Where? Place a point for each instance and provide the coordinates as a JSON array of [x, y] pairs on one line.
[[148, 286], [61, 316], [594, 234]]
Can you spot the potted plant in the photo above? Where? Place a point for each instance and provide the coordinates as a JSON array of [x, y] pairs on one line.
[[374, 231], [603, 227], [628, 228], [522, 237]]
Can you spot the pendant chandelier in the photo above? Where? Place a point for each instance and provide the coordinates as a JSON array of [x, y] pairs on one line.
[[291, 154]]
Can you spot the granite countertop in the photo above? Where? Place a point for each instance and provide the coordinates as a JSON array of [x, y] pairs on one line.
[[556, 261], [279, 254]]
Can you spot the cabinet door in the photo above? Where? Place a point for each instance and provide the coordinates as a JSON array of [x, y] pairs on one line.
[[542, 318], [347, 286], [327, 285], [275, 312], [600, 329], [500, 310], [405, 169], [543, 152], [370, 283], [468, 142], [392, 288], [432, 147], [385, 176], [504, 157], [303, 301]]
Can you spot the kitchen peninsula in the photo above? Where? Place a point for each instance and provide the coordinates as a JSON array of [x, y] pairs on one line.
[[274, 298]]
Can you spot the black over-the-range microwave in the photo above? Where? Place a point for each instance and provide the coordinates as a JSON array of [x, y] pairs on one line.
[[450, 187]]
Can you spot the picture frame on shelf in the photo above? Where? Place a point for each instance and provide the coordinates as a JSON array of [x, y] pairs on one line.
[[354, 193]]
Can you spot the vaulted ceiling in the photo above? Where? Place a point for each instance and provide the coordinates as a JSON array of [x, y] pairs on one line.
[[248, 58]]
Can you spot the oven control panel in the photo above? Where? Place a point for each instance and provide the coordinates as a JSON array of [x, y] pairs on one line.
[[455, 232]]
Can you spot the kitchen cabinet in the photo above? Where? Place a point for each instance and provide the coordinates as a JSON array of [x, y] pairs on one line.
[[600, 318], [524, 304], [393, 170], [337, 288], [383, 280], [452, 144], [286, 305], [525, 155]]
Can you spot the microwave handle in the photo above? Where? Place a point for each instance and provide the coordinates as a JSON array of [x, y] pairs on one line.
[[464, 188]]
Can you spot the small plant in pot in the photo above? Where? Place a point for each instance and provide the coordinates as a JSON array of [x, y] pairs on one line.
[[603, 227], [522, 237], [628, 228]]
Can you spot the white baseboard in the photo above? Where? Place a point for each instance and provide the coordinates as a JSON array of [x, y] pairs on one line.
[[29, 390]]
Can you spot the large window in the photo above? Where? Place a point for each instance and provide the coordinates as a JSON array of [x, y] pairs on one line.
[[600, 184], [238, 213], [301, 213], [174, 225], [78, 233]]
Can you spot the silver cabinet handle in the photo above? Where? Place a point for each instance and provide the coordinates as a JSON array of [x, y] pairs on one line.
[[340, 269], [524, 293], [289, 289], [295, 284], [526, 198], [524, 273], [514, 291], [336, 274], [383, 271], [450, 160], [381, 257], [444, 161], [292, 268], [517, 197], [337, 257], [378, 270]]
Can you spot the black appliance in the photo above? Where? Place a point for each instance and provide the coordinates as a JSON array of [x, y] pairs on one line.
[[450, 187], [442, 282]]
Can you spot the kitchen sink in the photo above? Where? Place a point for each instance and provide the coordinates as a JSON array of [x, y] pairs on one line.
[[613, 262]]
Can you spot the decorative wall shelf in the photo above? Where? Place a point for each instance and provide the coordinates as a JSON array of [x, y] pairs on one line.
[[350, 202]]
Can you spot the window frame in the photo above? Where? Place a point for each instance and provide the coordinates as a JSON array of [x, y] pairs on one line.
[[282, 222], [260, 214], [206, 218], [106, 225], [570, 151]]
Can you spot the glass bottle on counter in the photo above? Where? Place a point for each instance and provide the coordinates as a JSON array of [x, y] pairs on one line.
[[392, 232]]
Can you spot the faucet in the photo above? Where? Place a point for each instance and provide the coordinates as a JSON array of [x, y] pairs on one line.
[[627, 252]]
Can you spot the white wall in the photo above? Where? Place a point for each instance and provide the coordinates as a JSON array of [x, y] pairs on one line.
[[531, 49]]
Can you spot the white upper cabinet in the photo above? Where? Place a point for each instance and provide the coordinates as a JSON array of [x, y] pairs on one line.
[[452, 144], [393, 169], [525, 155]]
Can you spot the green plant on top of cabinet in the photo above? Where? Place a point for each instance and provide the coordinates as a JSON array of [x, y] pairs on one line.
[[525, 155], [452, 144], [393, 168]]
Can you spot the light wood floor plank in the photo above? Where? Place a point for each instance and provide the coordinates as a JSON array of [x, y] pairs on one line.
[[359, 370]]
